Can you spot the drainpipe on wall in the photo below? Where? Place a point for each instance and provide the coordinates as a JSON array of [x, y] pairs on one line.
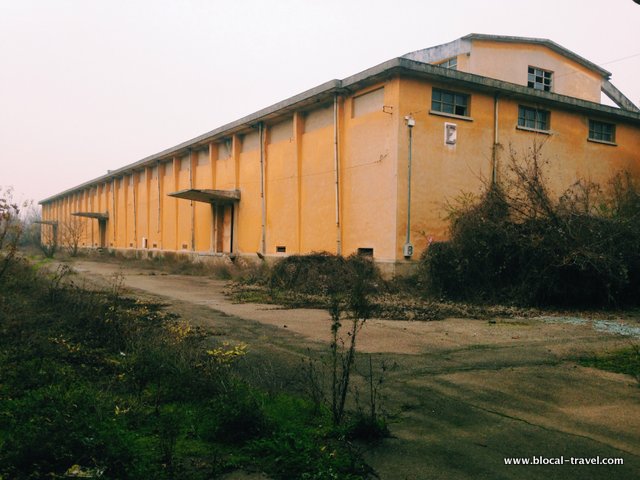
[[115, 209], [193, 210], [263, 240], [494, 152], [336, 161], [159, 198], [134, 186]]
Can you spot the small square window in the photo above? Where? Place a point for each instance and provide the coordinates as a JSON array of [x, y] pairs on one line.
[[365, 252], [281, 249], [450, 102], [539, 79], [451, 63], [533, 118], [602, 131]]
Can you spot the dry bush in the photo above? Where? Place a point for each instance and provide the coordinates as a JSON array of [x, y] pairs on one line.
[[322, 273], [517, 244], [10, 229], [72, 232]]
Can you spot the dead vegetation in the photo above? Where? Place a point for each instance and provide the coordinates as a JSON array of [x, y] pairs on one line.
[[518, 244]]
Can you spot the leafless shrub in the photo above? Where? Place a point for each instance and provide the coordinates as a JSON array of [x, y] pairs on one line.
[[10, 229], [49, 239], [72, 232], [519, 244]]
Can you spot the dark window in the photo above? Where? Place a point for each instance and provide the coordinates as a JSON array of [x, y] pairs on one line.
[[281, 249], [450, 102], [602, 131], [533, 118], [365, 252], [539, 79]]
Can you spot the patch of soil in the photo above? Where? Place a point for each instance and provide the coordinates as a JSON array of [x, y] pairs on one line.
[[464, 394]]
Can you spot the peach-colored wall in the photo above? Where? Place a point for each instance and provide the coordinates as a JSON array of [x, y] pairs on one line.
[[368, 177], [168, 206], [203, 218], [510, 62], [185, 209], [248, 231], [282, 188], [300, 176], [318, 216], [440, 172]]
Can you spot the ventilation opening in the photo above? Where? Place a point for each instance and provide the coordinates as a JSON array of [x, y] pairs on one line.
[[365, 252], [281, 249], [185, 246], [450, 133], [155, 245], [130, 245]]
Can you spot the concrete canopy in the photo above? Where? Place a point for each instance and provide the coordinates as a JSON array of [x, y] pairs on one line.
[[208, 196], [98, 215]]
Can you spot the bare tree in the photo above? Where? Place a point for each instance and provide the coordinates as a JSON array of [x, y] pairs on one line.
[[10, 229], [49, 238], [72, 232]]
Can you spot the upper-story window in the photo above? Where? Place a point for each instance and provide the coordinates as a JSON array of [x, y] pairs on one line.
[[602, 131], [539, 79], [533, 118], [450, 102], [451, 63]]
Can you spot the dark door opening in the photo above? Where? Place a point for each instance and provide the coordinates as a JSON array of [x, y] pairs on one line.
[[102, 233], [223, 228]]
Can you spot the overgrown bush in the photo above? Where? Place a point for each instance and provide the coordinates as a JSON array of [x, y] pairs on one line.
[[517, 244], [323, 273]]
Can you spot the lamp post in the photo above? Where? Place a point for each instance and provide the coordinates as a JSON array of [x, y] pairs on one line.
[[407, 249]]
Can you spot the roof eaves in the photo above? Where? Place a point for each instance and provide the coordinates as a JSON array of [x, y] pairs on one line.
[[311, 96], [487, 84], [377, 73]]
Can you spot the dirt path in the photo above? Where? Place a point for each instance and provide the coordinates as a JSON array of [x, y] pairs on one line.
[[464, 395]]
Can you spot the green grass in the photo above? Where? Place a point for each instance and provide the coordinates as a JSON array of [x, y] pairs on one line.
[[626, 360], [97, 382]]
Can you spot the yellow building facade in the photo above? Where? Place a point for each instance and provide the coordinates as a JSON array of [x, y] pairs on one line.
[[328, 170]]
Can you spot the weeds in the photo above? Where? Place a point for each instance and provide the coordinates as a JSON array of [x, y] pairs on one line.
[[95, 382], [626, 360]]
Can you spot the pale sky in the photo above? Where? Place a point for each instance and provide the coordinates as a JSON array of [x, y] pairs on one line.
[[88, 86]]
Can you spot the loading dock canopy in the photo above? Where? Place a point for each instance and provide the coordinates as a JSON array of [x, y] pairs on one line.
[[208, 196], [98, 215]]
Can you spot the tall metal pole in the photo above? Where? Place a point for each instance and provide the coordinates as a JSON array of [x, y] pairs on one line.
[[407, 250]]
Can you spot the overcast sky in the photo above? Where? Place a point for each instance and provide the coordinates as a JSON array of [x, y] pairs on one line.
[[92, 85]]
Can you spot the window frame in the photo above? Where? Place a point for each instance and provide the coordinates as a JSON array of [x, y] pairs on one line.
[[454, 105], [538, 126], [593, 138], [546, 79]]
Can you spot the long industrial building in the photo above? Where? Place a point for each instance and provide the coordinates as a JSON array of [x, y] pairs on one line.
[[328, 169]]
